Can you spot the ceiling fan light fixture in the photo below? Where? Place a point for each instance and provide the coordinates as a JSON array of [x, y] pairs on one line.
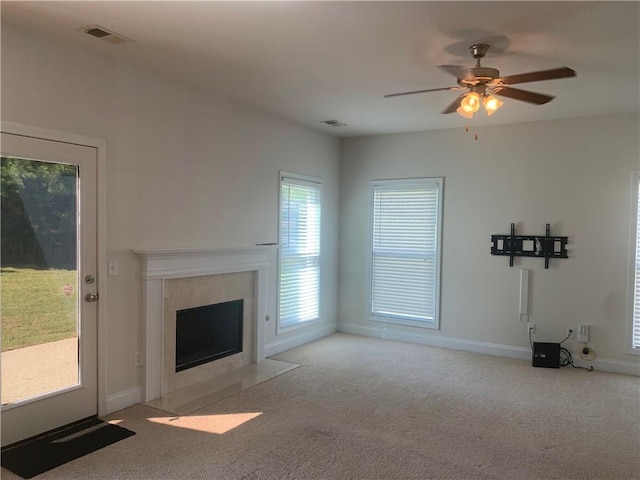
[[481, 82], [463, 113], [491, 104], [469, 104]]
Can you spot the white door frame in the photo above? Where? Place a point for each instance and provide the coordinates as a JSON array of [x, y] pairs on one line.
[[100, 146]]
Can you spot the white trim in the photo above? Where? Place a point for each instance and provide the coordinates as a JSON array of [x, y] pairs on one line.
[[437, 341], [123, 399], [392, 320], [160, 265], [309, 335], [52, 135], [291, 328], [604, 365], [310, 181], [101, 248], [611, 366], [633, 223], [401, 183], [192, 262], [37, 398]]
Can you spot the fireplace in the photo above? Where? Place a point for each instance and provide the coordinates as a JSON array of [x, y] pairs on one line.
[[208, 333], [174, 280]]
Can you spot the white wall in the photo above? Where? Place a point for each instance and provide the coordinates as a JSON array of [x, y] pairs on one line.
[[574, 174], [184, 169], [188, 169]]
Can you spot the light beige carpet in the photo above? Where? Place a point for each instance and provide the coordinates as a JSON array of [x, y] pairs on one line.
[[363, 408]]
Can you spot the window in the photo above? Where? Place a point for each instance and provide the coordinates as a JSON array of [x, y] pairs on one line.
[[299, 285], [405, 251], [634, 275]]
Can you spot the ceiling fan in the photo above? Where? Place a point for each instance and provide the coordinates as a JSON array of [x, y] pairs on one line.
[[482, 84]]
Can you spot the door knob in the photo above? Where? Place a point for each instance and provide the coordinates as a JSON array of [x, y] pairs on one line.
[[91, 297]]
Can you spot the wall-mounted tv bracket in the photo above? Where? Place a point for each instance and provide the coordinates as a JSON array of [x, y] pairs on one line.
[[529, 246]]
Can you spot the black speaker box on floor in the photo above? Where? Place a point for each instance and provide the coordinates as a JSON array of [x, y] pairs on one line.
[[546, 355]]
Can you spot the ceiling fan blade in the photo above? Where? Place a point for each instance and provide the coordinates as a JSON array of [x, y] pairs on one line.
[[454, 105], [418, 91], [563, 72], [523, 95], [458, 72]]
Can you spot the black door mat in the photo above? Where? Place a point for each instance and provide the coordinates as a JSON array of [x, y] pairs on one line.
[[37, 455]]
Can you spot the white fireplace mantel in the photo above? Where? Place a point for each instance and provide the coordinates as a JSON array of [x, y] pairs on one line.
[[160, 265]]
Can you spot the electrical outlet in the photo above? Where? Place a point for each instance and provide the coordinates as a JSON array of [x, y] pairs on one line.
[[531, 327], [571, 333], [137, 359]]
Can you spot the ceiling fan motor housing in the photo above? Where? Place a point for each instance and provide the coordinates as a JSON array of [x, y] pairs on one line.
[[481, 74]]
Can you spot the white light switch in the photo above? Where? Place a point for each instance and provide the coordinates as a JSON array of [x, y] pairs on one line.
[[113, 268]]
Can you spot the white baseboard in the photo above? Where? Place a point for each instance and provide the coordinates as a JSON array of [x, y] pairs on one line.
[[613, 366], [124, 399], [306, 335], [436, 341], [604, 365]]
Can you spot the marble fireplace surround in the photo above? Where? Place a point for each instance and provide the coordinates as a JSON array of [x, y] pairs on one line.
[[161, 265]]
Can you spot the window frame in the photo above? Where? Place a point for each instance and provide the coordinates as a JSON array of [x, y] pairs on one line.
[[400, 320], [634, 262], [320, 183]]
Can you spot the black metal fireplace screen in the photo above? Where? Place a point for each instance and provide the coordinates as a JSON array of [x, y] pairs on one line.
[[208, 333]]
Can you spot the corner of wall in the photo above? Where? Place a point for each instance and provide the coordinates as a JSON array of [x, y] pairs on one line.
[[306, 335]]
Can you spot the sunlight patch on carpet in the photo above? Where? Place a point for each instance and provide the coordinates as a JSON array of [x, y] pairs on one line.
[[218, 424]]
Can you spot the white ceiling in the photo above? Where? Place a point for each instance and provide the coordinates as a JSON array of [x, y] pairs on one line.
[[315, 61]]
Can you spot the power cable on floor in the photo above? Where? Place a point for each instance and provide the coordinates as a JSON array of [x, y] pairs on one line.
[[566, 358]]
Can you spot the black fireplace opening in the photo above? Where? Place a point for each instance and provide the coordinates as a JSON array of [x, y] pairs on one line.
[[208, 333]]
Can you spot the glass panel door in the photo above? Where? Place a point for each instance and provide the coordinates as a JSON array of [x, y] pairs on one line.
[[48, 295], [39, 275]]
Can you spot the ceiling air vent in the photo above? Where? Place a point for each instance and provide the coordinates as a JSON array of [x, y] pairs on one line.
[[104, 34], [334, 123]]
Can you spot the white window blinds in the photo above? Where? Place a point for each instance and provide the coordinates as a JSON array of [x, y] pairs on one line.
[[405, 250], [299, 286], [636, 289]]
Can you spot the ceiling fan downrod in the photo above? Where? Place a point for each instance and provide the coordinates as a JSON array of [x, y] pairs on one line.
[[478, 51]]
